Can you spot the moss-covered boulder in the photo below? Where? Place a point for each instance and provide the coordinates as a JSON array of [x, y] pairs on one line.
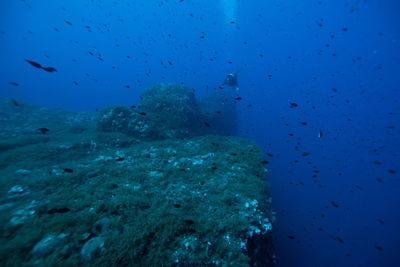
[[166, 110], [92, 198]]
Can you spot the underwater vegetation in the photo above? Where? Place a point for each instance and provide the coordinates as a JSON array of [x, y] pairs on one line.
[[131, 186]]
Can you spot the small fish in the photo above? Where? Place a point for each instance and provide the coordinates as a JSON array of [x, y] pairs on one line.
[[14, 102], [379, 247], [68, 22], [142, 113], [238, 98], [60, 210], [207, 124], [320, 134], [68, 170], [33, 63], [293, 105], [291, 237], [43, 130], [305, 154], [14, 83], [338, 238], [37, 65], [49, 69], [379, 180], [334, 204]]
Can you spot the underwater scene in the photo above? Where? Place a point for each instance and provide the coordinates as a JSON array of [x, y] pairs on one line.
[[199, 133]]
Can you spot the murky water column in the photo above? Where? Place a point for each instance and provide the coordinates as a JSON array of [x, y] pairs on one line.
[[229, 10]]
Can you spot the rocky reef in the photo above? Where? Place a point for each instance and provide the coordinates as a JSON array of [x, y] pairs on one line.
[[131, 187], [170, 110]]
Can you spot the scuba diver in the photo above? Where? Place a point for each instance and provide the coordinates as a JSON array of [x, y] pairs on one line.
[[231, 80]]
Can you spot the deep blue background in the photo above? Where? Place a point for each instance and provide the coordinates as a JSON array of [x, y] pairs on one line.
[[291, 52]]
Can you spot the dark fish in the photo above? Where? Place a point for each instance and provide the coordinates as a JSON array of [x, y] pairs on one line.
[[334, 204], [33, 63], [68, 22], [218, 112], [43, 130], [238, 98], [188, 221], [49, 69], [293, 105], [142, 113], [120, 159], [338, 238], [379, 247], [60, 210], [37, 65], [305, 154], [14, 102], [14, 83], [391, 171], [68, 170], [291, 237], [177, 205], [379, 180], [304, 123], [207, 124], [381, 221]]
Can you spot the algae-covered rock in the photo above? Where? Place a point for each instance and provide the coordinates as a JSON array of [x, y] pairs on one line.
[[166, 110], [122, 197], [93, 247], [48, 244]]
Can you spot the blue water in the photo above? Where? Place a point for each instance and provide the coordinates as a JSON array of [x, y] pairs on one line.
[[339, 61]]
